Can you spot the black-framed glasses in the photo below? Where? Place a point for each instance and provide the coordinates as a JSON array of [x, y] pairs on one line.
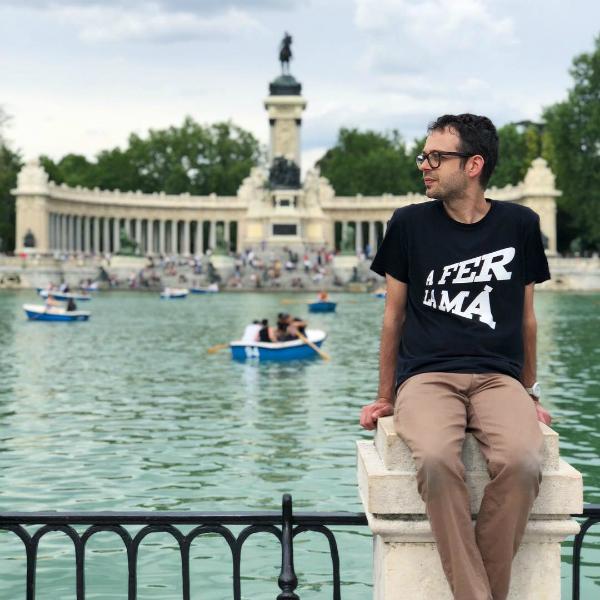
[[434, 158]]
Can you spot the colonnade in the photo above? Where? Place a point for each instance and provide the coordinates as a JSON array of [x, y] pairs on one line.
[[357, 235], [101, 235]]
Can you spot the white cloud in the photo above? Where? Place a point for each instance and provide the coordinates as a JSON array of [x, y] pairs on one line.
[[404, 36], [151, 22]]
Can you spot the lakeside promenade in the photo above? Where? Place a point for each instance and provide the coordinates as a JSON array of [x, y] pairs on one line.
[[254, 271]]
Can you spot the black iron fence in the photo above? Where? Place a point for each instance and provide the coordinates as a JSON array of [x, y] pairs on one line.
[[284, 525]]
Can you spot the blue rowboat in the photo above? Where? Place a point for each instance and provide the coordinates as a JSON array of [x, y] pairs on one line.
[[205, 290], [174, 293], [321, 306], [292, 350], [39, 312], [64, 296]]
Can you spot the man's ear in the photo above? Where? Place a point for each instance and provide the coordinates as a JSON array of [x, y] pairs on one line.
[[474, 165]]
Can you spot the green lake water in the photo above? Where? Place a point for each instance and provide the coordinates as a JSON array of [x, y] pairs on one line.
[[129, 412]]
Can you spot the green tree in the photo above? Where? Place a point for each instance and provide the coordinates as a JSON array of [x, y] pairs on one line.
[[191, 158], [573, 127], [370, 163], [10, 164]]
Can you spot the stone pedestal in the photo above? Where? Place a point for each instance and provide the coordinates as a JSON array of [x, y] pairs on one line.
[[406, 562]]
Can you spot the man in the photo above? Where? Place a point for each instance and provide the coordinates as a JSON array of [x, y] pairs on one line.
[[458, 351]]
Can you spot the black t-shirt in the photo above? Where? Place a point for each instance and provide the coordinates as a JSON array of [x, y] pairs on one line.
[[466, 285]]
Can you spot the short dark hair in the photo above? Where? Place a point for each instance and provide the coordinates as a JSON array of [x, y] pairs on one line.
[[477, 135]]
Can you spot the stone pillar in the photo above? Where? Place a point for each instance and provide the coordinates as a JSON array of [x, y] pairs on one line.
[[186, 238], [96, 248], [137, 236], [106, 235], [116, 235], [406, 562], [199, 237], [174, 237], [150, 236], [161, 236], [63, 233], [86, 234], [212, 235], [372, 236], [358, 237], [78, 246]]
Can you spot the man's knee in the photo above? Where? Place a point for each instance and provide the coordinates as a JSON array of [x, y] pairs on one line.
[[521, 464], [438, 468]]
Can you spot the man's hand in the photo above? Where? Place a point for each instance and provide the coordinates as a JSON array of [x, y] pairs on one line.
[[542, 414], [371, 412]]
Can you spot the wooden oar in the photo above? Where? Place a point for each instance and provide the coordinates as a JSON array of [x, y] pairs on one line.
[[316, 348], [217, 347]]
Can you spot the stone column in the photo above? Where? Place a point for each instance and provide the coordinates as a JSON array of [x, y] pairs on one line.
[[372, 236], [212, 235], [106, 235], [186, 238], [199, 237], [161, 236], [96, 249], [78, 246], [358, 237], [116, 235], [404, 553], [63, 233], [150, 236], [86, 234], [52, 219], [174, 237], [137, 236]]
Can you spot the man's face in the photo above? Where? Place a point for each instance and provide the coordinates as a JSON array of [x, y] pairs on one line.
[[449, 180]]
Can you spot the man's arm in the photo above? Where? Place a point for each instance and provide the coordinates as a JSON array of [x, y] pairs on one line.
[[529, 373], [393, 321]]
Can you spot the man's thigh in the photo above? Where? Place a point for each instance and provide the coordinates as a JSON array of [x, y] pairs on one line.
[[503, 418], [430, 413]]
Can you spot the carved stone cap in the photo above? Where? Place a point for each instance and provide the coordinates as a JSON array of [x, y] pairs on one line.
[[32, 179], [540, 180]]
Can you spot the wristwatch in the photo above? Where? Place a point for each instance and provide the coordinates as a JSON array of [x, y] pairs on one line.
[[535, 390]]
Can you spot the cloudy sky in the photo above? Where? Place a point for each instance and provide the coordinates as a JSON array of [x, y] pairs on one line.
[[80, 76]]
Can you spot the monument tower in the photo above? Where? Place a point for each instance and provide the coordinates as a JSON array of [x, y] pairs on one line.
[[289, 213]]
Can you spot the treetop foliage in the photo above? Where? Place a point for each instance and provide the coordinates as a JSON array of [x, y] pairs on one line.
[[191, 158]]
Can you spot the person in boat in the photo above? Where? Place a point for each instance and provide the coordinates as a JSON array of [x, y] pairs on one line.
[[323, 296], [266, 333], [288, 327], [50, 302], [71, 306], [458, 352], [251, 332]]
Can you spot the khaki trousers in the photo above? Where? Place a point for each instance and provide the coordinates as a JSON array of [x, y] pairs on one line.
[[432, 413]]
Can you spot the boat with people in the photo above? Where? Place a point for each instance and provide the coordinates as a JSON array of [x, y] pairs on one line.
[[41, 312], [380, 292], [174, 293], [321, 306], [288, 350], [213, 288], [64, 296]]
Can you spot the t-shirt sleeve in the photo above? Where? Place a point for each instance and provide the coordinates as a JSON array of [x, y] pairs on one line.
[[536, 263], [392, 256]]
